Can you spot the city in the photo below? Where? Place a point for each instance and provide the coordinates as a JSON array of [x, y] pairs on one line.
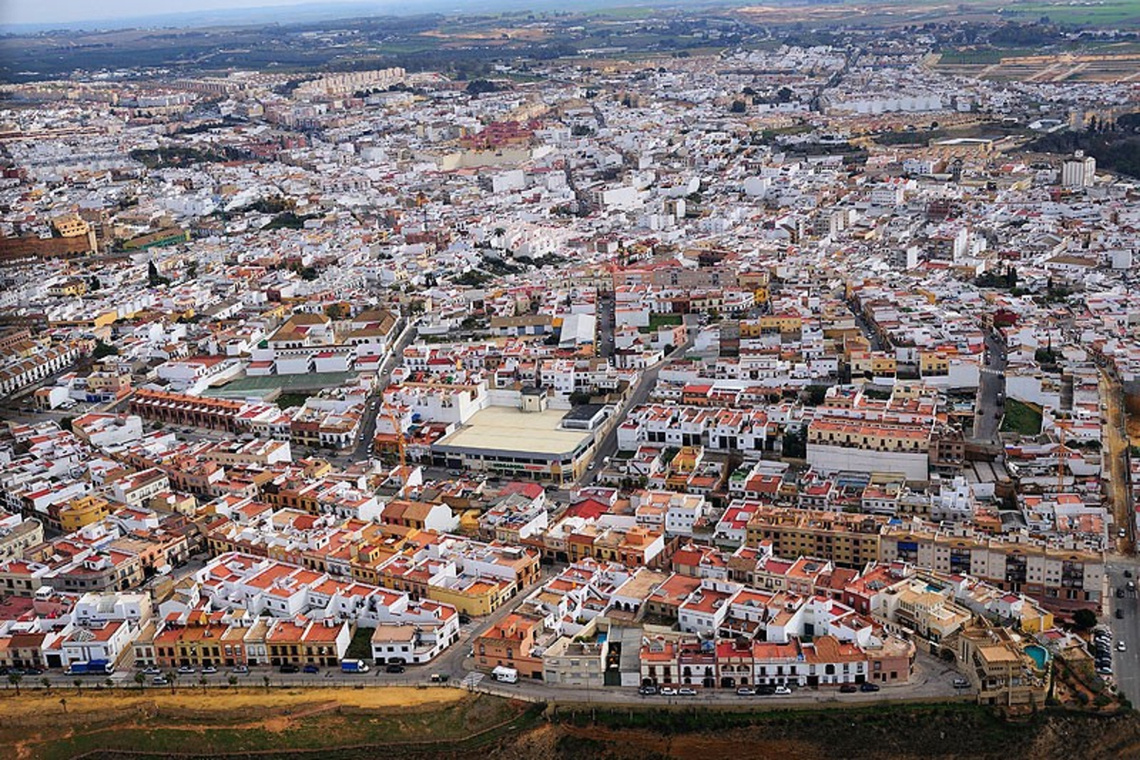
[[746, 361]]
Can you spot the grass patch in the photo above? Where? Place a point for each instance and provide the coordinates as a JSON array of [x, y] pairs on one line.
[[287, 400], [1020, 418], [360, 648], [657, 321]]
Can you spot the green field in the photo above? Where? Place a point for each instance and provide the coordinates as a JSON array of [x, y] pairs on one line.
[[1020, 418], [1101, 13]]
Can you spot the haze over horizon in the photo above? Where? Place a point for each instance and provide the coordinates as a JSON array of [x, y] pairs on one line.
[[22, 12]]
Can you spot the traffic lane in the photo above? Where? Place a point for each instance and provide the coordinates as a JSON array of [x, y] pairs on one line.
[[1126, 664]]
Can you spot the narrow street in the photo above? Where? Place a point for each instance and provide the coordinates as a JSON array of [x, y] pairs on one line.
[[1116, 457]]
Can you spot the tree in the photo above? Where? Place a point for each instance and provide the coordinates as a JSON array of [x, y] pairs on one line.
[[63, 704], [172, 677], [265, 680], [78, 684], [1084, 619], [140, 678], [202, 681], [738, 106], [110, 684], [103, 350], [46, 683], [232, 680], [153, 278], [336, 311], [14, 679]]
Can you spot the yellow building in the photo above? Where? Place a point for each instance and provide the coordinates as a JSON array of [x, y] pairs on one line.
[[850, 540], [933, 363], [68, 288], [997, 666], [473, 596], [83, 511]]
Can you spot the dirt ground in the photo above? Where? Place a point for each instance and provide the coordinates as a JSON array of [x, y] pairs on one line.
[[41, 706]]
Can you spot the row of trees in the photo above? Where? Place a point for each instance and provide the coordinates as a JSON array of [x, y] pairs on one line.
[[16, 680]]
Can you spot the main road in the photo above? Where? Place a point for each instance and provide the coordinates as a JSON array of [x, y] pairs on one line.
[[639, 395], [1126, 664], [991, 387]]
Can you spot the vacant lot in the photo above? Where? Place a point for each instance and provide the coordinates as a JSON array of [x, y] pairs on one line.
[[63, 724], [1020, 418]]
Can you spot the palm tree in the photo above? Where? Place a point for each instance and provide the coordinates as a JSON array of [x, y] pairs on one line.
[[46, 682], [78, 683], [14, 679], [140, 678], [110, 684], [63, 704], [265, 680], [232, 680], [202, 681], [172, 676]]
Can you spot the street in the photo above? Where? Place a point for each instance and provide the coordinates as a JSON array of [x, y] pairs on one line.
[[991, 386], [1126, 664], [638, 396], [1116, 454]]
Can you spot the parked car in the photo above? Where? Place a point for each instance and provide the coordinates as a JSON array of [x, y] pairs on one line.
[[848, 688], [1119, 614], [765, 690], [961, 683], [394, 669], [311, 669], [744, 691], [290, 669], [1119, 593], [439, 678], [1127, 573], [1121, 646], [240, 670], [685, 691], [209, 670], [782, 691], [668, 691], [151, 670], [868, 686], [647, 691], [186, 670], [159, 681]]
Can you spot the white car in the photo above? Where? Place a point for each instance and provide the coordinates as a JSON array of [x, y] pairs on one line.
[[783, 691], [1121, 646], [668, 691]]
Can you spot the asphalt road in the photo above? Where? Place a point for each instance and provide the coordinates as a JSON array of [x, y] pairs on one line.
[[990, 387], [1126, 665], [605, 339], [368, 429], [932, 680], [638, 396]]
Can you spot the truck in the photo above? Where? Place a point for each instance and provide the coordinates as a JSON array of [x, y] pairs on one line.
[[354, 666], [505, 675], [90, 668]]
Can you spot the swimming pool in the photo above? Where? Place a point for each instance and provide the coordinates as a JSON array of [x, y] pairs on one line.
[[1039, 654]]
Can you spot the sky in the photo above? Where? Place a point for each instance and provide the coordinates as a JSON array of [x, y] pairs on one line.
[[65, 11]]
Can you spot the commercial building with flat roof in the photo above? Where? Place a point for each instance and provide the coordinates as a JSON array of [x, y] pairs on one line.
[[517, 443]]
